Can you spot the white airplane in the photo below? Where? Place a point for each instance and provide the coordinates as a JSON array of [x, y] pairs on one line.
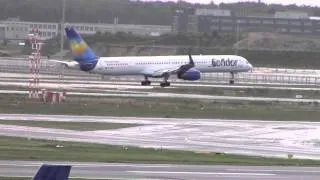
[[184, 67]]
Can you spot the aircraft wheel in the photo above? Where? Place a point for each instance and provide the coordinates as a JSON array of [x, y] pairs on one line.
[[145, 83], [165, 84]]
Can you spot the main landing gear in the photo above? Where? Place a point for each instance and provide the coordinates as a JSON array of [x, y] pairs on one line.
[[146, 82], [232, 78], [165, 82]]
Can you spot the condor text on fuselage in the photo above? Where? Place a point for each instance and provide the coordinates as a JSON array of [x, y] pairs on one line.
[[224, 62]]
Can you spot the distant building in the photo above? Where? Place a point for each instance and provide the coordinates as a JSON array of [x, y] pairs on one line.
[[291, 15], [225, 21], [182, 20], [19, 30], [148, 30], [46, 30], [14, 29], [212, 12]]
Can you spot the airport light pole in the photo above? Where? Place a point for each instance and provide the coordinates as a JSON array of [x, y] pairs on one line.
[[62, 39], [62, 27], [237, 37]]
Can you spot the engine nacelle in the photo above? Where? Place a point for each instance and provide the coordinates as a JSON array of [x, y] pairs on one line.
[[191, 75], [88, 66]]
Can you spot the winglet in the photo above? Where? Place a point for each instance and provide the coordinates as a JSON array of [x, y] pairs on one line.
[[190, 59], [53, 172]]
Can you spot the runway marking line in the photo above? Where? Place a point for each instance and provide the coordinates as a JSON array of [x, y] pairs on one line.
[[201, 173], [92, 165], [275, 170], [81, 177]]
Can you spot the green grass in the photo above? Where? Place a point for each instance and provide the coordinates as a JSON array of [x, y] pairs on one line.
[[28, 178], [163, 107], [15, 178], [80, 126], [22, 149], [218, 91]]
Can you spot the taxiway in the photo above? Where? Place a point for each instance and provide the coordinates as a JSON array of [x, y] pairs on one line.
[[125, 171], [262, 138]]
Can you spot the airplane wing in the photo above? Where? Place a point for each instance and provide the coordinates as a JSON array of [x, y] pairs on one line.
[[157, 71], [58, 61], [160, 71], [68, 64]]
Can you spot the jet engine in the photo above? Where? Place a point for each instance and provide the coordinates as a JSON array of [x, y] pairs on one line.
[[87, 66], [191, 75]]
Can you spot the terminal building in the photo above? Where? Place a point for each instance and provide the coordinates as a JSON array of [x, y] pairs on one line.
[[15, 29], [144, 30], [19, 30], [222, 20]]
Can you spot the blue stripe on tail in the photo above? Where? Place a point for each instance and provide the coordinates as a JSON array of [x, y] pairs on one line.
[[53, 172]]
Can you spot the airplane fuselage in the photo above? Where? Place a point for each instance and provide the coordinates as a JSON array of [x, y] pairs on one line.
[[140, 65]]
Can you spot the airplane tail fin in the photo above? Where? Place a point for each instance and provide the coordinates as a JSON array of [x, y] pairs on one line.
[[81, 52], [53, 172]]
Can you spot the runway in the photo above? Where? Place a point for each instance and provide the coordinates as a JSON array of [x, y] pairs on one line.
[[69, 82], [262, 138], [125, 171], [86, 86], [128, 94]]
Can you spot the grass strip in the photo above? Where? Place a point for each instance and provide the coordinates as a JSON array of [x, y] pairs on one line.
[[80, 126], [12, 148], [28, 178], [163, 107]]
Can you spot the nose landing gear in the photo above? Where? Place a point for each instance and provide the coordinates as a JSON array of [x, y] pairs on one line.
[[231, 81]]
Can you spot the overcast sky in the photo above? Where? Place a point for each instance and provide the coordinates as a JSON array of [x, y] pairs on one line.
[[285, 2]]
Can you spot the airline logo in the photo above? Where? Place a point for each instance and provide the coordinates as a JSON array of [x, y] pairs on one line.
[[78, 48], [224, 62]]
